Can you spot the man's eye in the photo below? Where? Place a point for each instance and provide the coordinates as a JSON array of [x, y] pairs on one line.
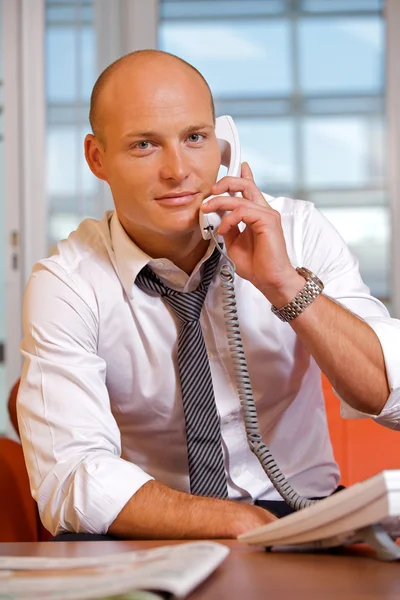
[[196, 137], [143, 145]]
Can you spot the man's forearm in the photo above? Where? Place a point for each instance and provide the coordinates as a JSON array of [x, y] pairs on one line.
[[159, 512], [347, 351]]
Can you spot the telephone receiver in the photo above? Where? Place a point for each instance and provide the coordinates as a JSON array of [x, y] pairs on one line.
[[228, 140]]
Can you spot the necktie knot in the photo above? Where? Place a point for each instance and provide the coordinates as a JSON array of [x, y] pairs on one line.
[[186, 305]]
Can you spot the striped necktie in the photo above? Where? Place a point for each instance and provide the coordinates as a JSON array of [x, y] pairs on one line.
[[205, 456]]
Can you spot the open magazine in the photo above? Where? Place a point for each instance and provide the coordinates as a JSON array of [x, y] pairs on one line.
[[365, 512], [163, 572]]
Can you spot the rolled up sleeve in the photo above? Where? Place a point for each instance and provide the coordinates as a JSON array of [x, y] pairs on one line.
[[327, 255], [71, 441], [388, 333]]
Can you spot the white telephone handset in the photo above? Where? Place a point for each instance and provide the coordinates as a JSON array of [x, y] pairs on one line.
[[228, 139]]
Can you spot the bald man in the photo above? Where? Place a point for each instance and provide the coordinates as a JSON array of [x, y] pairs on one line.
[[100, 405]]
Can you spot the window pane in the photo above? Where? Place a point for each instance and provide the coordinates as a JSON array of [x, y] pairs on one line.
[[67, 170], [366, 231], [268, 146], [61, 161], [66, 80], [341, 151], [238, 58], [61, 51], [341, 55]]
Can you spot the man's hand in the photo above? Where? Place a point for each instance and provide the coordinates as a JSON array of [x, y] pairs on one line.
[[252, 517], [259, 252], [157, 512]]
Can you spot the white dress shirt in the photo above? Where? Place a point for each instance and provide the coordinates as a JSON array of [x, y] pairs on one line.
[[100, 410]]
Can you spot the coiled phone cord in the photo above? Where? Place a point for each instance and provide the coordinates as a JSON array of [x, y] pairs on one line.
[[243, 384]]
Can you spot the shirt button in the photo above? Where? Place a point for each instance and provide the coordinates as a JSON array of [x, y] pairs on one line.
[[160, 263], [237, 471], [228, 419], [211, 355]]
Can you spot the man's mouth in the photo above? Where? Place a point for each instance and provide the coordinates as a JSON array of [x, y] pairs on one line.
[[177, 198]]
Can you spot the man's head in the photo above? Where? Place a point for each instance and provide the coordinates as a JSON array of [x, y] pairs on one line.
[[153, 140], [96, 115]]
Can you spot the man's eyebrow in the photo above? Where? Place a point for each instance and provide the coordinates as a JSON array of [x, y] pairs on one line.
[[150, 134], [197, 127]]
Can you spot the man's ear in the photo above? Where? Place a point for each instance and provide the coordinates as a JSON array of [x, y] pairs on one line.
[[94, 153]]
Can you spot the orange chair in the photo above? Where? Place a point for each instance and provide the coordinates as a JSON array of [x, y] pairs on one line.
[[19, 520], [362, 448], [19, 517]]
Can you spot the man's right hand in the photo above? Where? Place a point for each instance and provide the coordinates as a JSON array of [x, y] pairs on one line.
[[251, 517], [158, 512]]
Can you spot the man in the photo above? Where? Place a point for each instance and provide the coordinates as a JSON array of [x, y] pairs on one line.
[[101, 403]]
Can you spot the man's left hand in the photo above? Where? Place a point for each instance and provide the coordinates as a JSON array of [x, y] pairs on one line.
[[259, 252]]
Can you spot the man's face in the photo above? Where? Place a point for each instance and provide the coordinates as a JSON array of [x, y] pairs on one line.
[[161, 155]]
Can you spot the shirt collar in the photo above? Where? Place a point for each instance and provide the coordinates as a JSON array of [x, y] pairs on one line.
[[130, 260]]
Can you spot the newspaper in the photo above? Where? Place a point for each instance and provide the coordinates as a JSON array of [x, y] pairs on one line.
[[175, 569]]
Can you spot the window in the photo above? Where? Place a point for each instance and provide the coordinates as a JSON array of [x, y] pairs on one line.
[[305, 82], [70, 75]]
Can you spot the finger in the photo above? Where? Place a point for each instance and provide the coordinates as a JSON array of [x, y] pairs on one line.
[[247, 187], [247, 173], [230, 236], [232, 203], [259, 221]]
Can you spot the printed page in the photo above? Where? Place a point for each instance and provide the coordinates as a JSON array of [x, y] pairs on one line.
[[175, 569]]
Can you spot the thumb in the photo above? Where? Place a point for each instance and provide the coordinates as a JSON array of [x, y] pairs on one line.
[[247, 173]]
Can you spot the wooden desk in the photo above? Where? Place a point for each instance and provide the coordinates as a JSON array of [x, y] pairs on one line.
[[252, 573]]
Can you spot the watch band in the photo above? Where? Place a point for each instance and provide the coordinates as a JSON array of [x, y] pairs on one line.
[[307, 294]]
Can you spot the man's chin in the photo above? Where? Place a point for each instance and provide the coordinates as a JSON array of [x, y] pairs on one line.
[[181, 226]]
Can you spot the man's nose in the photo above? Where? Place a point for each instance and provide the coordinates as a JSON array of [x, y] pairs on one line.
[[175, 164]]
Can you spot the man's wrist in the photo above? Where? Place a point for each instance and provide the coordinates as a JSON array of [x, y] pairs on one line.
[[310, 291], [280, 295]]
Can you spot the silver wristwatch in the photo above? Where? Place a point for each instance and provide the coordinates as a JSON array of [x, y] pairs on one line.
[[310, 291]]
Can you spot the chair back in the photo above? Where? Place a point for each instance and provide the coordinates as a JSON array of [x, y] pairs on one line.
[[19, 517], [18, 510], [12, 406]]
